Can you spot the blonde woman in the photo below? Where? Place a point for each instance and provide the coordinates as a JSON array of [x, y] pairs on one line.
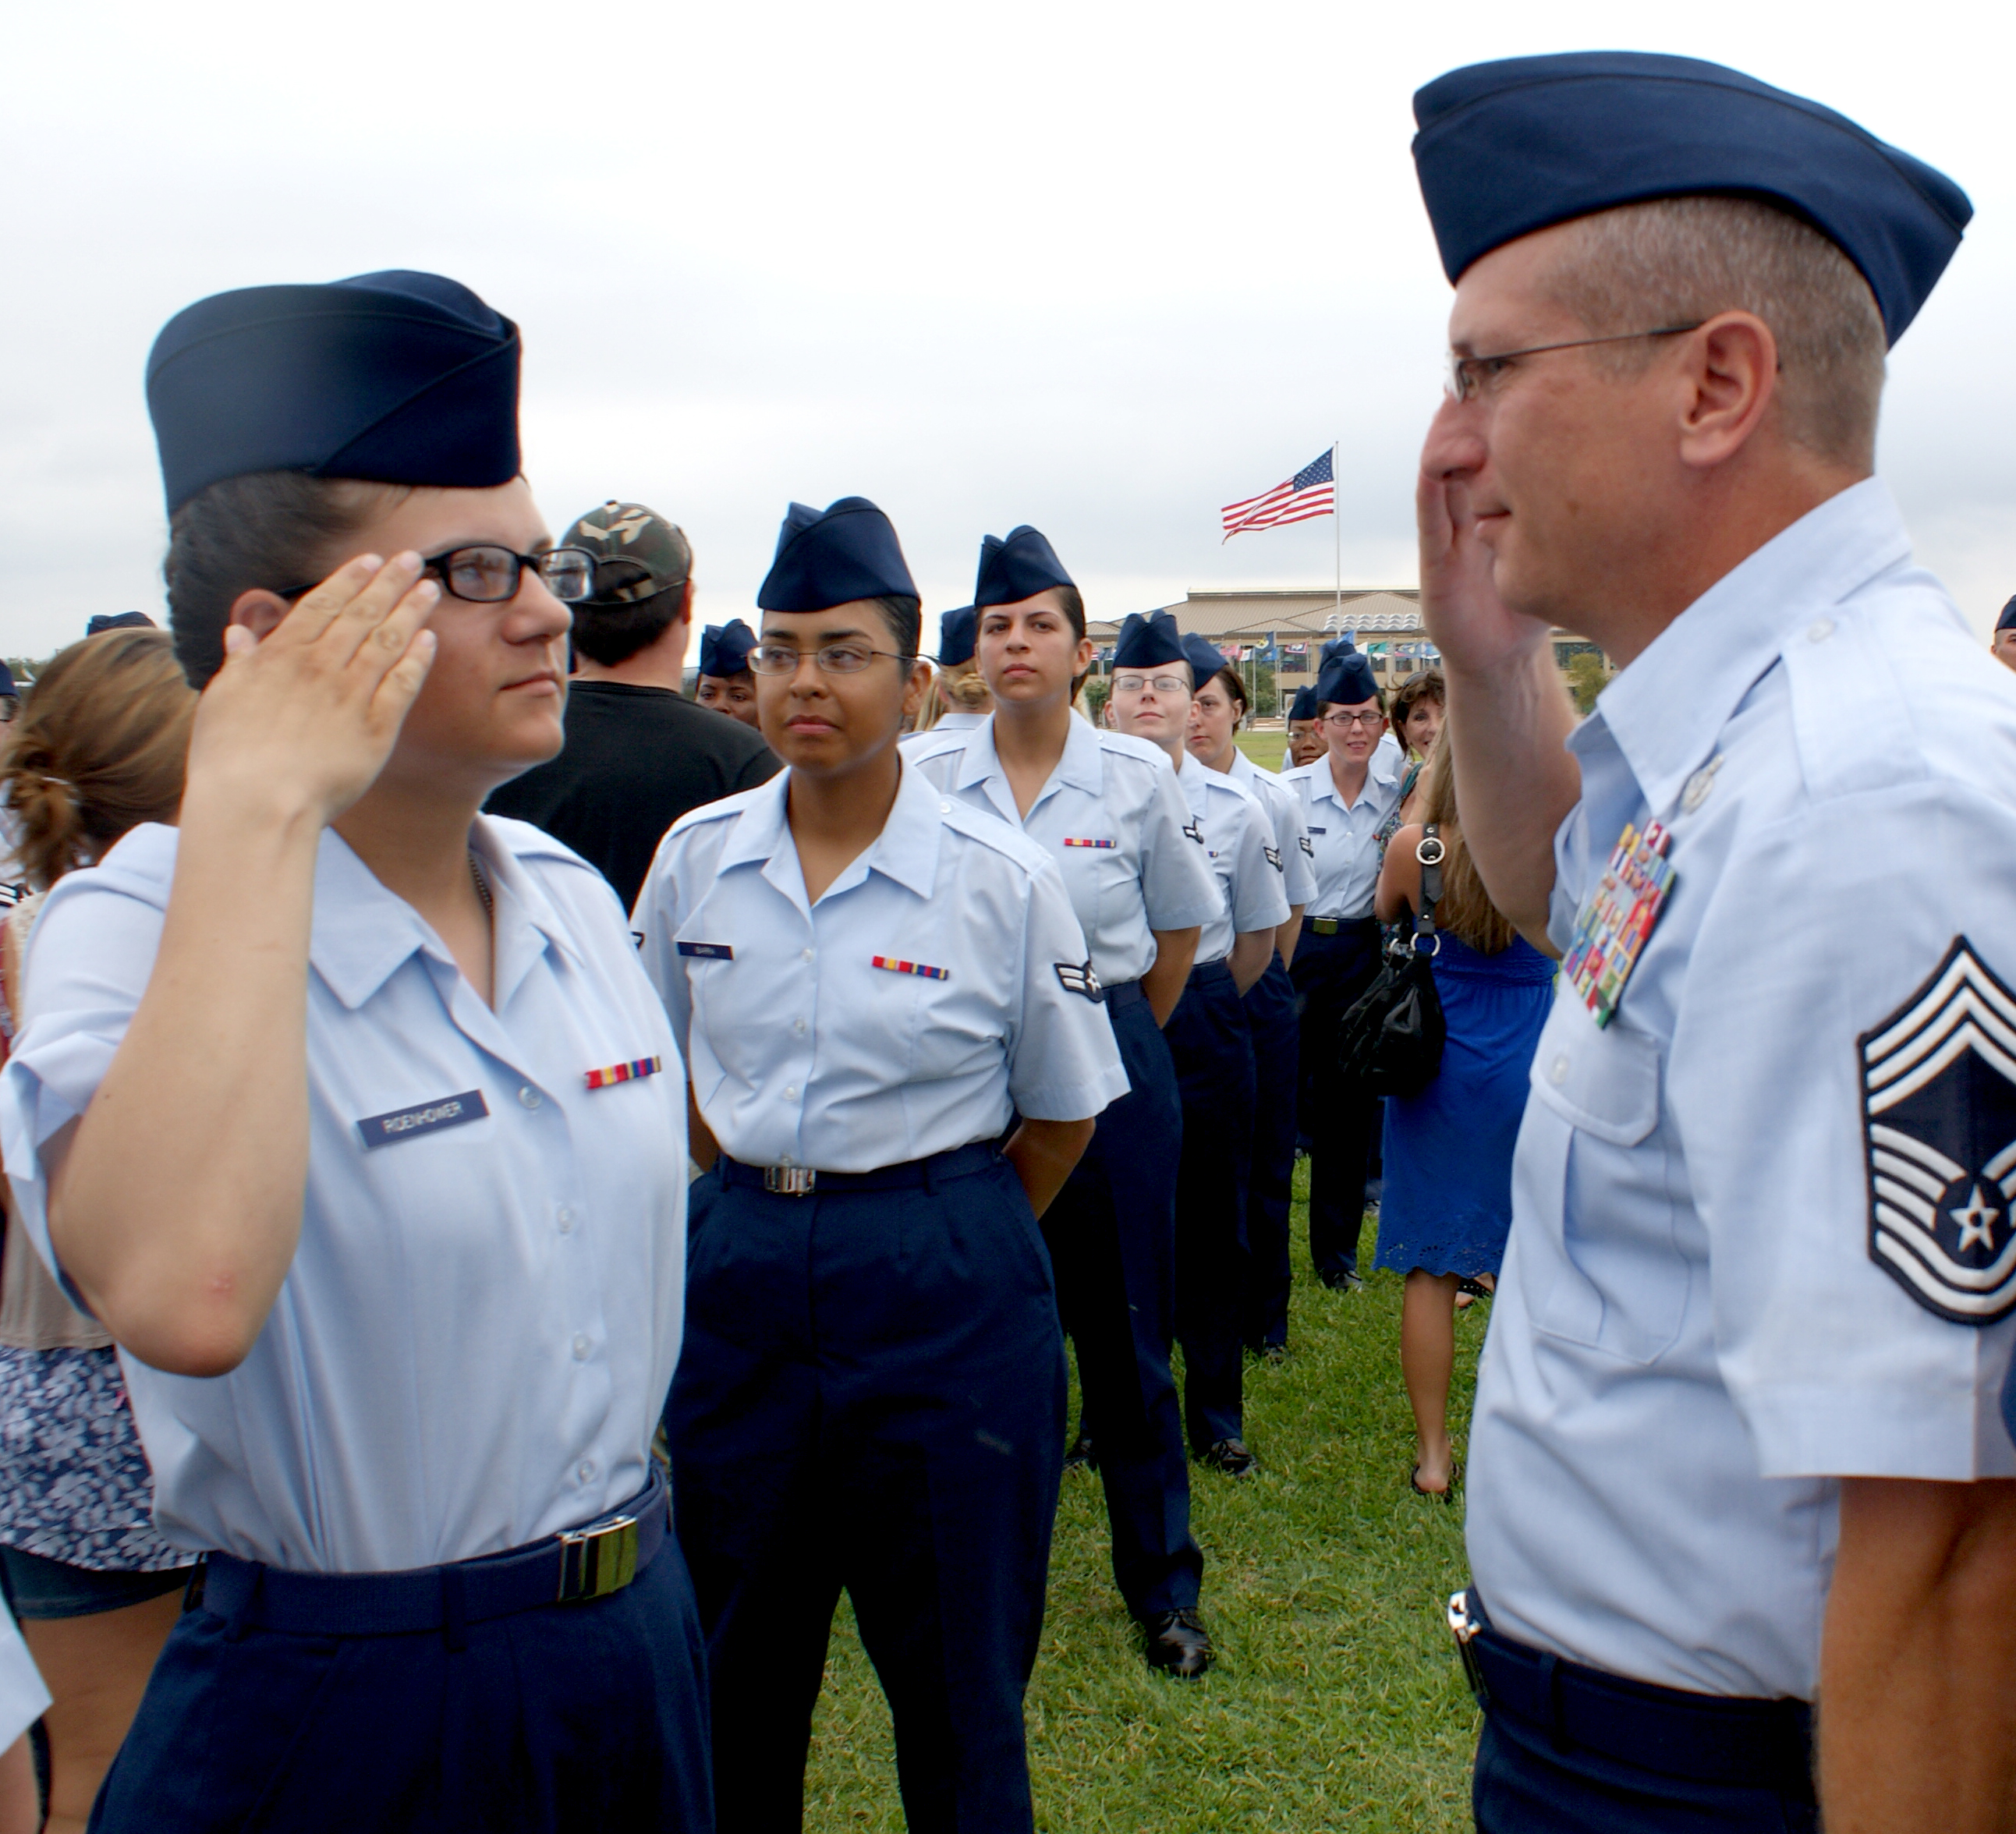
[[1447, 1206]]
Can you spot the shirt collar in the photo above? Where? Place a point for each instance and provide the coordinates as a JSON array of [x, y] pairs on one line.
[[906, 850], [1082, 766], [362, 933], [1666, 710], [1378, 769]]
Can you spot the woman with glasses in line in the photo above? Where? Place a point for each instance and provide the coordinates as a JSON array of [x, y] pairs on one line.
[[339, 1107], [1210, 1040], [1346, 796], [1108, 809], [873, 980], [1216, 708]]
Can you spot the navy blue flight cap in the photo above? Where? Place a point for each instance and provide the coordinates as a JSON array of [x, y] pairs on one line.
[[724, 648], [834, 556], [1346, 680], [118, 620], [1204, 657], [398, 377], [1146, 643], [2008, 617], [1305, 705], [1513, 146], [8, 690], [1017, 568], [959, 636]]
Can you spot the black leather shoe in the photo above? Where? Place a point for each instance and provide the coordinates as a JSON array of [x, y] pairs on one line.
[[1083, 1456], [1176, 1643], [1231, 1457]]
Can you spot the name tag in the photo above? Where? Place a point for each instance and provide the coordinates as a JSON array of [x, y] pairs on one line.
[[1319, 831], [624, 1073], [402, 1123], [1070, 841], [708, 952], [917, 967]]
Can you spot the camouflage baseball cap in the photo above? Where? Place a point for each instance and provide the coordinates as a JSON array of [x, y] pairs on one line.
[[638, 554]]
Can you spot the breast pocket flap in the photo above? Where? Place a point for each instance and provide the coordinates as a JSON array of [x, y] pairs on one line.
[[1606, 1082]]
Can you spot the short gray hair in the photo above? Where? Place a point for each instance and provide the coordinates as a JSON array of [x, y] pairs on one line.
[[1676, 260]]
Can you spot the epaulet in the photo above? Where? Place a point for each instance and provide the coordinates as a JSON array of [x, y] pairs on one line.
[[1125, 745], [527, 842], [990, 830], [935, 742], [716, 811]]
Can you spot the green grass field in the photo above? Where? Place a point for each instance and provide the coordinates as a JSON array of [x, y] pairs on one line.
[[1267, 749], [1336, 1702]]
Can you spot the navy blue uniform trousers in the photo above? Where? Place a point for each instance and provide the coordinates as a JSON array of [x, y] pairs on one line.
[[1524, 1783], [1112, 1233], [1213, 1050], [1271, 1005], [583, 1716], [871, 1397], [1339, 1122]]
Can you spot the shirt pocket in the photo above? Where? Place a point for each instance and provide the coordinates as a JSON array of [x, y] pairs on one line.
[[1605, 1188]]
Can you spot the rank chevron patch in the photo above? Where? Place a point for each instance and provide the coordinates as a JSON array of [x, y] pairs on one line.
[[1938, 1081]]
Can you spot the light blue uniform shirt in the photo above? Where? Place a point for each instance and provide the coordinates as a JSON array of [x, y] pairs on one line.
[[1345, 840], [958, 720], [473, 1345], [1113, 819], [1238, 837], [806, 1051], [23, 1698], [1695, 1334], [1292, 834]]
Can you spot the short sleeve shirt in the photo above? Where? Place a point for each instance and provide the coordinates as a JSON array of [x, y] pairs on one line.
[[1344, 837], [1296, 852], [1238, 835], [935, 989], [1762, 1234], [473, 1345], [1115, 820]]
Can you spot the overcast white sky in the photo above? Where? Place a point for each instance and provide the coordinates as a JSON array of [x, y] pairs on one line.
[[1099, 266]]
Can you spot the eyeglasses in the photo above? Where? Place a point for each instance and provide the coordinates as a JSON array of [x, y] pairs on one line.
[[1161, 684], [833, 659], [488, 575], [1467, 375], [1344, 722]]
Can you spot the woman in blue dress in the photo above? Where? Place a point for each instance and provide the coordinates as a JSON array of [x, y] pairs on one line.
[[1448, 1202]]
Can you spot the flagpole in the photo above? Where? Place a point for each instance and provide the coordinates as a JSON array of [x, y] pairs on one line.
[[1337, 529]]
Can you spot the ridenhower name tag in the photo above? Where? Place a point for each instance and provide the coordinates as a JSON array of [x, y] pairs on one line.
[[402, 1123]]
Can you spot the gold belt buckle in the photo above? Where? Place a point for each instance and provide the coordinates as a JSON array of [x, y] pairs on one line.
[[790, 1180], [595, 1561], [1324, 925]]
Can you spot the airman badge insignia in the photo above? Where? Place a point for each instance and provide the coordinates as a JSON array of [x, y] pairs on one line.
[[1938, 1082], [1078, 978], [1274, 857], [1193, 830]]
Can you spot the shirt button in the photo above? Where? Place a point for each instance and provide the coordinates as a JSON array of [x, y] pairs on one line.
[[585, 1471], [944, 808], [581, 1346], [1819, 632], [790, 1091], [564, 1217], [798, 1026], [805, 954], [529, 1097], [1557, 1071]]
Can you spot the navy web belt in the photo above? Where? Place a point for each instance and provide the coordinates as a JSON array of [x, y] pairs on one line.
[[914, 1174], [583, 1563], [1731, 1740]]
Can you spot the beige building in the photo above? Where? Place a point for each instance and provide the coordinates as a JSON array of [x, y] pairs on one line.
[[1385, 622]]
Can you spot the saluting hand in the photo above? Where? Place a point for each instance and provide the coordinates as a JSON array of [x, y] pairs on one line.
[[301, 722], [1474, 629]]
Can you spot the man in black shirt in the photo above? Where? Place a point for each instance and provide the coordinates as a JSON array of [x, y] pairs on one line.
[[638, 754]]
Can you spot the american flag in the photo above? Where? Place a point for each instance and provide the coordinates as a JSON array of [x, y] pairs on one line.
[[1310, 492]]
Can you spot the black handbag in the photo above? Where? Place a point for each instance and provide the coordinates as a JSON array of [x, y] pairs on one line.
[[1390, 1040]]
